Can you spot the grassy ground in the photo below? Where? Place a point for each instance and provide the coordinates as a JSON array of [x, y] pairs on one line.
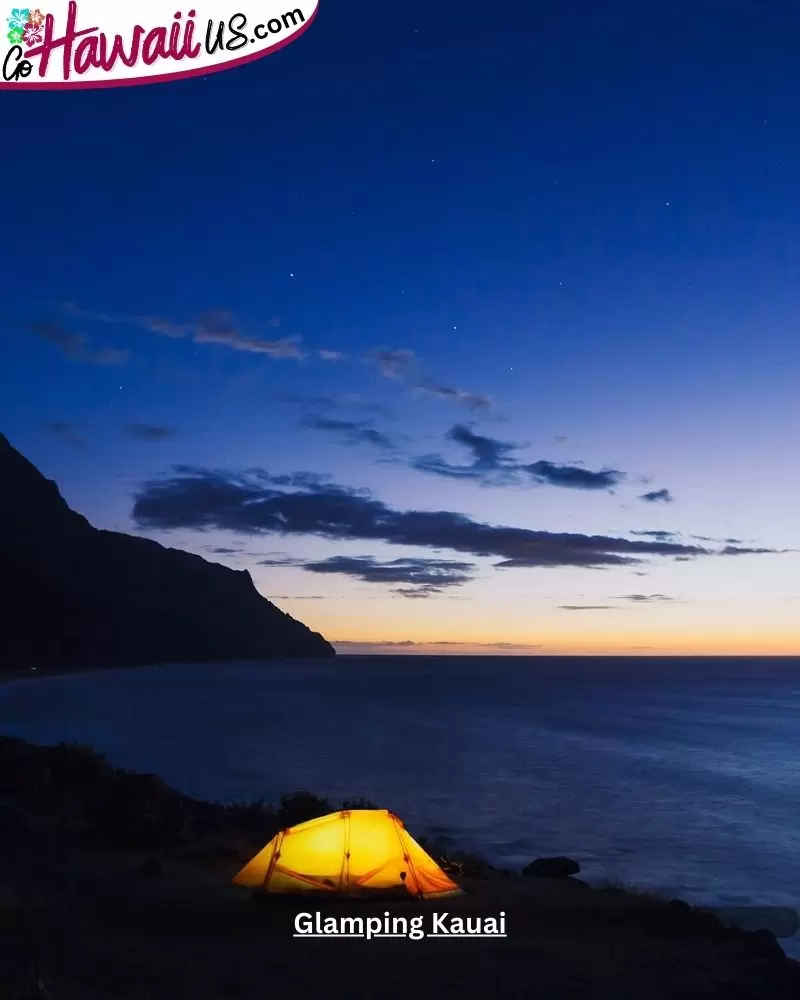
[[114, 886]]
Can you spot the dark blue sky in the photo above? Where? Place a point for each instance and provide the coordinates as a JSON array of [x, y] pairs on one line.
[[588, 213]]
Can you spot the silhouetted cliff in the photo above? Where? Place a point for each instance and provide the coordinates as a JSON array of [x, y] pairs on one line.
[[71, 594]]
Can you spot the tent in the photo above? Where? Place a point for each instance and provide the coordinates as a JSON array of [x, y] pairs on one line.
[[352, 852]]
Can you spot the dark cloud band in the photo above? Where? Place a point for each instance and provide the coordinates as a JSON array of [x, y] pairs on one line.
[[257, 503]]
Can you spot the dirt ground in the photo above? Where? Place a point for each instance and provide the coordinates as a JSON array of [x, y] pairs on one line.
[[81, 918], [94, 927]]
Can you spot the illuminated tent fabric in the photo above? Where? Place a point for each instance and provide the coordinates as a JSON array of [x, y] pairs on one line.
[[353, 852]]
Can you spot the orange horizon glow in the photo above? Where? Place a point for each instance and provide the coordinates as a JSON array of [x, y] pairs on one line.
[[714, 617], [755, 647]]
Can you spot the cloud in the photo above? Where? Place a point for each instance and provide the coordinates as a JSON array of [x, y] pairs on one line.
[[257, 503], [633, 598], [403, 365], [350, 431], [148, 432], [331, 355], [70, 344], [719, 541], [657, 496], [487, 452], [490, 459], [732, 550], [214, 327], [67, 432], [219, 327], [75, 346], [493, 465], [107, 356], [299, 597], [646, 598], [420, 577], [667, 535], [163, 327], [73, 309], [334, 401], [472, 400], [587, 607], [399, 364], [222, 551], [282, 560], [573, 477], [455, 648]]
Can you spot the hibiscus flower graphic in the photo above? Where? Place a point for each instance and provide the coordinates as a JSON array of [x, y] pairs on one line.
[[33, 34], [19, 18], [36, 17], [15, 36]]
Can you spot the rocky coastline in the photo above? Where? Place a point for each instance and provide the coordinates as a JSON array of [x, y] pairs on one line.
[[112, 884]]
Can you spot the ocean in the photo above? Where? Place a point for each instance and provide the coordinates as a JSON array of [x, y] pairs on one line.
[[680, 776]]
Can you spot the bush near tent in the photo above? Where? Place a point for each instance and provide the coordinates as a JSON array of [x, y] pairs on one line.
[[71, 793]]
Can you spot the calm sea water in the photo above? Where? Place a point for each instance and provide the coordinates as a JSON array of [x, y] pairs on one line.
[[676, 775]]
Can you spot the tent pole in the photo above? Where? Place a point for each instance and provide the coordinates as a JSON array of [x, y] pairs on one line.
[[273, 860]]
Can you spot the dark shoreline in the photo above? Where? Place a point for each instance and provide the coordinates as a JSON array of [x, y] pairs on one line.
[[8, 674], [112, 884], [33, 672]]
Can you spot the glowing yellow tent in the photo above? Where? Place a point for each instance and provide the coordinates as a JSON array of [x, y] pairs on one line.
[[353, 852]]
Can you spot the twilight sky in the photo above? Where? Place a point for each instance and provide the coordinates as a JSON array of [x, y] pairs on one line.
[[461, 328]]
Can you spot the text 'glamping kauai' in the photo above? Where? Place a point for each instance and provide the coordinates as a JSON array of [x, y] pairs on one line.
[[416, 928]]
